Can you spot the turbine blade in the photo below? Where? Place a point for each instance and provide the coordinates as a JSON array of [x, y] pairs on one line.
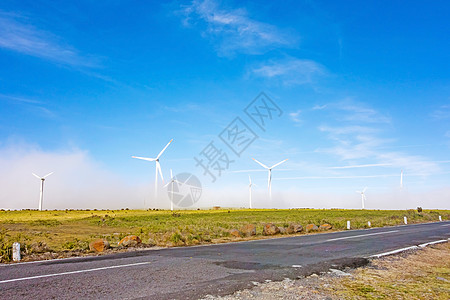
[[38, 177], [261, 164], [158, 167], [144, 158], [162, 151], [278, 163], [249, 179], [171, 175], [48, 175], [269, 179], [364, 190]]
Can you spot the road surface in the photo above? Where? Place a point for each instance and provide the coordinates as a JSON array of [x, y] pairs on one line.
[[193, 272]]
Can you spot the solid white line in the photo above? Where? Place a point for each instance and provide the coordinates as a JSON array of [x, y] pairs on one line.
[[432, 243], [408, 248], [394, 251], [361, 235], [446, 225], [72, 272]]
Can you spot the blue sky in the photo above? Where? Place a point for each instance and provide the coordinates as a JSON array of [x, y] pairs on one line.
[[363, 87]]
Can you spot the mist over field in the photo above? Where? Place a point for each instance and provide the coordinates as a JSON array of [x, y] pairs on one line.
[[79, 182]]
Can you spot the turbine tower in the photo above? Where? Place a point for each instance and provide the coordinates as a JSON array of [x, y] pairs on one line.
[[401, 180], [41, 194], [269, 180], [172, 181], [250, 191], [363, 196], [157, 168]]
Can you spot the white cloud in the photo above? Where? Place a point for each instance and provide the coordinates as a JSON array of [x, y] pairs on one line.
[[361, 166], [34, 106], [16, 35], [290, 71], [295, 116], [441, 113], [234, 31], [319, 107], [357, 133], [358, 112]]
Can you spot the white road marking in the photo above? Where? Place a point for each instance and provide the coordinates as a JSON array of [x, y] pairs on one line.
[[393, 252], [446, 225], [408, 248], [361, 235], [72, 272], [432, 243]]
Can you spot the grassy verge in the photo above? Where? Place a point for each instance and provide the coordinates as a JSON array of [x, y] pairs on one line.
[[425, 274], [73, 230]]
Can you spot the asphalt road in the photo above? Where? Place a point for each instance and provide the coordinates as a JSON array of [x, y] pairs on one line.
[[193, 272]]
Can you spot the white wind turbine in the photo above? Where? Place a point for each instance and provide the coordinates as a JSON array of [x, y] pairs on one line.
[[41, 194], [363, 196], [172, 181], [250, 191], [158, 166], [269, 180], [401, 180]]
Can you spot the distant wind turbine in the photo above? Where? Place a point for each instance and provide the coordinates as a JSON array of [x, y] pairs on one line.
[[158, 166], [172, 181], [269, 180], [363, 196], [250, 191], [41, 194], [401, 180]]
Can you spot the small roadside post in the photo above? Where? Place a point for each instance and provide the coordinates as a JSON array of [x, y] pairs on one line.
[[16, 251]]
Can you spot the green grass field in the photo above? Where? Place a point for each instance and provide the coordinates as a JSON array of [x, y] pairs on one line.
[[73, 230]]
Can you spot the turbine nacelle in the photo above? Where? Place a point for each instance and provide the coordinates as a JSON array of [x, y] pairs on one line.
[[269, 179], [157, 167]]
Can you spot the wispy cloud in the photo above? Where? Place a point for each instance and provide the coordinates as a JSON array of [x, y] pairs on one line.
[[233, 30], [358, 135], [361, 166], [34, 106], [358, 112], [295, 116], [342, 130], [16, 34], [19, 99], [441, 113], [319, 107], [289, 71]]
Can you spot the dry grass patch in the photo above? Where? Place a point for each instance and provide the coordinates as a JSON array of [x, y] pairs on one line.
[[425, 274]]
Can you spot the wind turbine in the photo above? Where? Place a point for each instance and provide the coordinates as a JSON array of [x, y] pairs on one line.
[[172, 181], [401, 180], [41, 194], [363, 196], [158, 166], [250, 191], [269, 180]]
